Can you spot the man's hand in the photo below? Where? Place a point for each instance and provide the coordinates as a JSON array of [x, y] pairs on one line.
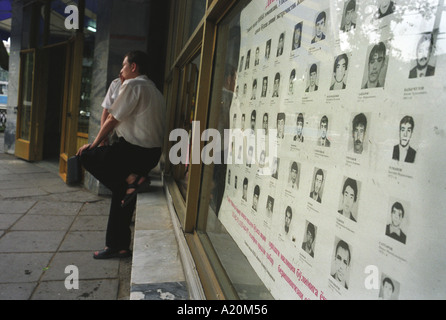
[[83, 148]]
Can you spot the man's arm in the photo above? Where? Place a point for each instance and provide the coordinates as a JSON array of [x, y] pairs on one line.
[[106, 129]]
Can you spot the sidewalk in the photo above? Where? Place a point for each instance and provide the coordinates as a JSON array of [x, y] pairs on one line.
[[47, 226]]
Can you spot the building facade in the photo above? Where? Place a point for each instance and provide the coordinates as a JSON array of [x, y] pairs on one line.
[[304, 155]]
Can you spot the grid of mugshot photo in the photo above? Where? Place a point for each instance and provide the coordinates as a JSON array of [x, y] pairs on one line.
[[308, 121]]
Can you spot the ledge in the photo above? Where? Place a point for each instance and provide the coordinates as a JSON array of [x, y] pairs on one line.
[[160, 267]]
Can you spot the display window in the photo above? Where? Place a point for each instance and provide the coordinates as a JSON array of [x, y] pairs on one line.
[[323, 183]]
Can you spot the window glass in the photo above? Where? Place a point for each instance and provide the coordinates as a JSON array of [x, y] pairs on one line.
[[185, 110], [215, 177], [195, 10]]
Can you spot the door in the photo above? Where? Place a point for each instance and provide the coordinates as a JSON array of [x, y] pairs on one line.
[[31, 106], [72, 99]]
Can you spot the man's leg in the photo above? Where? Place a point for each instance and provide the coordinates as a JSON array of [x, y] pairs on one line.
[[118, 236]]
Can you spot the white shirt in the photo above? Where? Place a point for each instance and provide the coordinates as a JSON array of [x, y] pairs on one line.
[[140, 109], [112, 94]]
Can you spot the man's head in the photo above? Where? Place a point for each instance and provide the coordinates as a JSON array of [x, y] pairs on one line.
[[265, 123], [255, 199], [349, 195], [254, 88], [310, 234], [300, 124], [320, 23], [349, 11], [324, 127], [281, 44], [268, 49], [292, 79], [384, 5], [358, 132], [340, 67], [397, 214], [407, 125], [245, 188], [388, 288], [377, 59], [253, 120], [276, 83], [318, 180], [297, 34], [280, 124], [424, 50], [342, 260], [264, 86], [313, 74], [135, 64], [294, 172], [288, 217]]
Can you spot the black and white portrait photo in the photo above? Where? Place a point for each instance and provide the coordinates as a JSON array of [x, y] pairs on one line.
[[397, 221], [309, 240], [403, 151], [341, 263], [340, 72], [348, 22], [376, 67], [348, 204], [424, 64], [317, 188]]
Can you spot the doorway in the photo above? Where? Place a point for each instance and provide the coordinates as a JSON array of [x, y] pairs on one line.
[[55, 101]]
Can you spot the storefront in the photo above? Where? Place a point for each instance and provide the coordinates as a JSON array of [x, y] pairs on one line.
[[331, 183], [50, 79]]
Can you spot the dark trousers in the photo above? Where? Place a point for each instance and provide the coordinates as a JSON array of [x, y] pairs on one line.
[[111, 165]]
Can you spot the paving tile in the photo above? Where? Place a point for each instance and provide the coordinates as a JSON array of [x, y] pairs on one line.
[[88, 290], [90, 223], [55, 208], [43, 223], [96, 208], [22, 192], [83, 241], [88, 268], [76, 196], [31, 241], [16, 206], [16, 291], [23, 267], [7, 220]]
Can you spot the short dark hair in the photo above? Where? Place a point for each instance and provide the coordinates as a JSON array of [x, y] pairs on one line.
[[389, 282], [294, 166], [360, 119], [342, 244], [351, 5], [257, 190], [320, 172], [380, 47], [313, 68], [398, 206], [310, 228], [324, 119], [141, 59], [281, 116], [339, 58], [320, 16], [409, 120], [288, 209], [352, 184]]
